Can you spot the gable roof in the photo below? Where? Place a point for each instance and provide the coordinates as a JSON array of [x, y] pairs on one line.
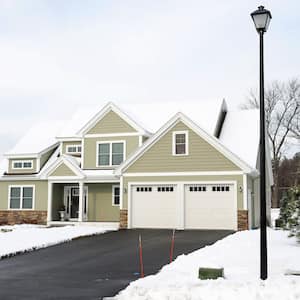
[[69, 161], [202, 133], [85, 119]]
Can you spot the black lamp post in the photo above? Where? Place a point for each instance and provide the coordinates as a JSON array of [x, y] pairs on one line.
[[261, 19]]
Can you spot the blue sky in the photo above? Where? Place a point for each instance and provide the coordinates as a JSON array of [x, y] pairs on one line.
[[57, 55]]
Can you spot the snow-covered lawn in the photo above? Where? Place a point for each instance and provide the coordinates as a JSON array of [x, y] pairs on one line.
[[21, 238], [239, 255]]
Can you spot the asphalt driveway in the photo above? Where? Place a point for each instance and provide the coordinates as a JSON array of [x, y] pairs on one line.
[[94, 267]]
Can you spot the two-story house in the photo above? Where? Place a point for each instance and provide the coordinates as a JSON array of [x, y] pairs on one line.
[[105, 166]]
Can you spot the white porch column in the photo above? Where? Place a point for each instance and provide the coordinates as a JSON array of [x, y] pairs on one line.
[[49, 209], [81, 198]]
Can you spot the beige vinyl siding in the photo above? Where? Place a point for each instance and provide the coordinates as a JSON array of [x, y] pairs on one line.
[[100, 206], [44, 158], [62, 170], [202, 156], [41, 193], [237, 178], [90, 148], [22, 171], [111, 123], [65, 144]]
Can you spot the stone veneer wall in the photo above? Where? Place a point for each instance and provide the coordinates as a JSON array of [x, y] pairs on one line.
[[11, 217], [243, 220], [123, 218]]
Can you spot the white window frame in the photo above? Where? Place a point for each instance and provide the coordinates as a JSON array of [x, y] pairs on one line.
[[186, 133], [113, 194], [22, 162], [110, 152], [21, 196], [75, 146]]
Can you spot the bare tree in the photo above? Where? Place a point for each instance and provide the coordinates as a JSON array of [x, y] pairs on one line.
[[282, 107]]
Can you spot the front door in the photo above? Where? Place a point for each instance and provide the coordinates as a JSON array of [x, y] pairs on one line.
[[74, 203], [71, 200]]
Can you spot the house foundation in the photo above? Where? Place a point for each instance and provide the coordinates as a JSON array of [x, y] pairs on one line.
[[243, 220], [11, 217]]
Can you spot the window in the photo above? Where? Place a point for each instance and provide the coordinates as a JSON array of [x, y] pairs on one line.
[[110, 153], [144, 189], [220, 188], [21, 197], [197, 188], [116, 195], [22, 164], [180, 143], [165, 189], [73, 149]]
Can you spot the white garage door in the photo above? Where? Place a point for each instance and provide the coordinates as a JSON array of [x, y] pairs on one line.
[[210, 206], [154, 206]]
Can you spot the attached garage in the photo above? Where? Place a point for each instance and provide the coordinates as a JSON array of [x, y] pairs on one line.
[[183, 205], [210, 206], [154, 206]]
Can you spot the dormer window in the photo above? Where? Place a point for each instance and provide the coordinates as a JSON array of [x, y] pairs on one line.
[[22, 164], [73, 149], [110, 153], [180, 143]]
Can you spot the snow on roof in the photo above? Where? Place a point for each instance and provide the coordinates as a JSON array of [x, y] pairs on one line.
[[38, 138], [240, 134], [3, 166], [151, 116]]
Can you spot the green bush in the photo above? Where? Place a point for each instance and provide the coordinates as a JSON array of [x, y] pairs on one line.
[[289, 217], [210, 273]]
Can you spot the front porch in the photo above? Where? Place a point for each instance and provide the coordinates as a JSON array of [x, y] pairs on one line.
[[71, 203]]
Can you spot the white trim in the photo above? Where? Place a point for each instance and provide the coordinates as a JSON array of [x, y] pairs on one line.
[[82, 154], [21, 196], [189, 123], [105, 135], [19, 178], [200, 173], [49, 206], [23, 161], [245, 192], [113, 195], [140, 140], [179, 190], [186, 133], [38, 164], [121, 192], [80, 206], [68, 139], [110, 152], [74, 146], [105, 110]]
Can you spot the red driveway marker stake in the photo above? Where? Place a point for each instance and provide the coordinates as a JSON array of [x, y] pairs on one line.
[[141, 256], [172, 246]]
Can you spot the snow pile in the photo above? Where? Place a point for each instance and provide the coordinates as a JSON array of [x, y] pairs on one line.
[[22, 238], [239, 255]]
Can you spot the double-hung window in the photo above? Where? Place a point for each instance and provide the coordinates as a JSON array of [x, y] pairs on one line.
[[21, 197], [116, 195], [180, 143], [110, 153]]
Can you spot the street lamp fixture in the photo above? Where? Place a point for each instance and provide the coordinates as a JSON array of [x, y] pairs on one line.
[[261, 18]]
